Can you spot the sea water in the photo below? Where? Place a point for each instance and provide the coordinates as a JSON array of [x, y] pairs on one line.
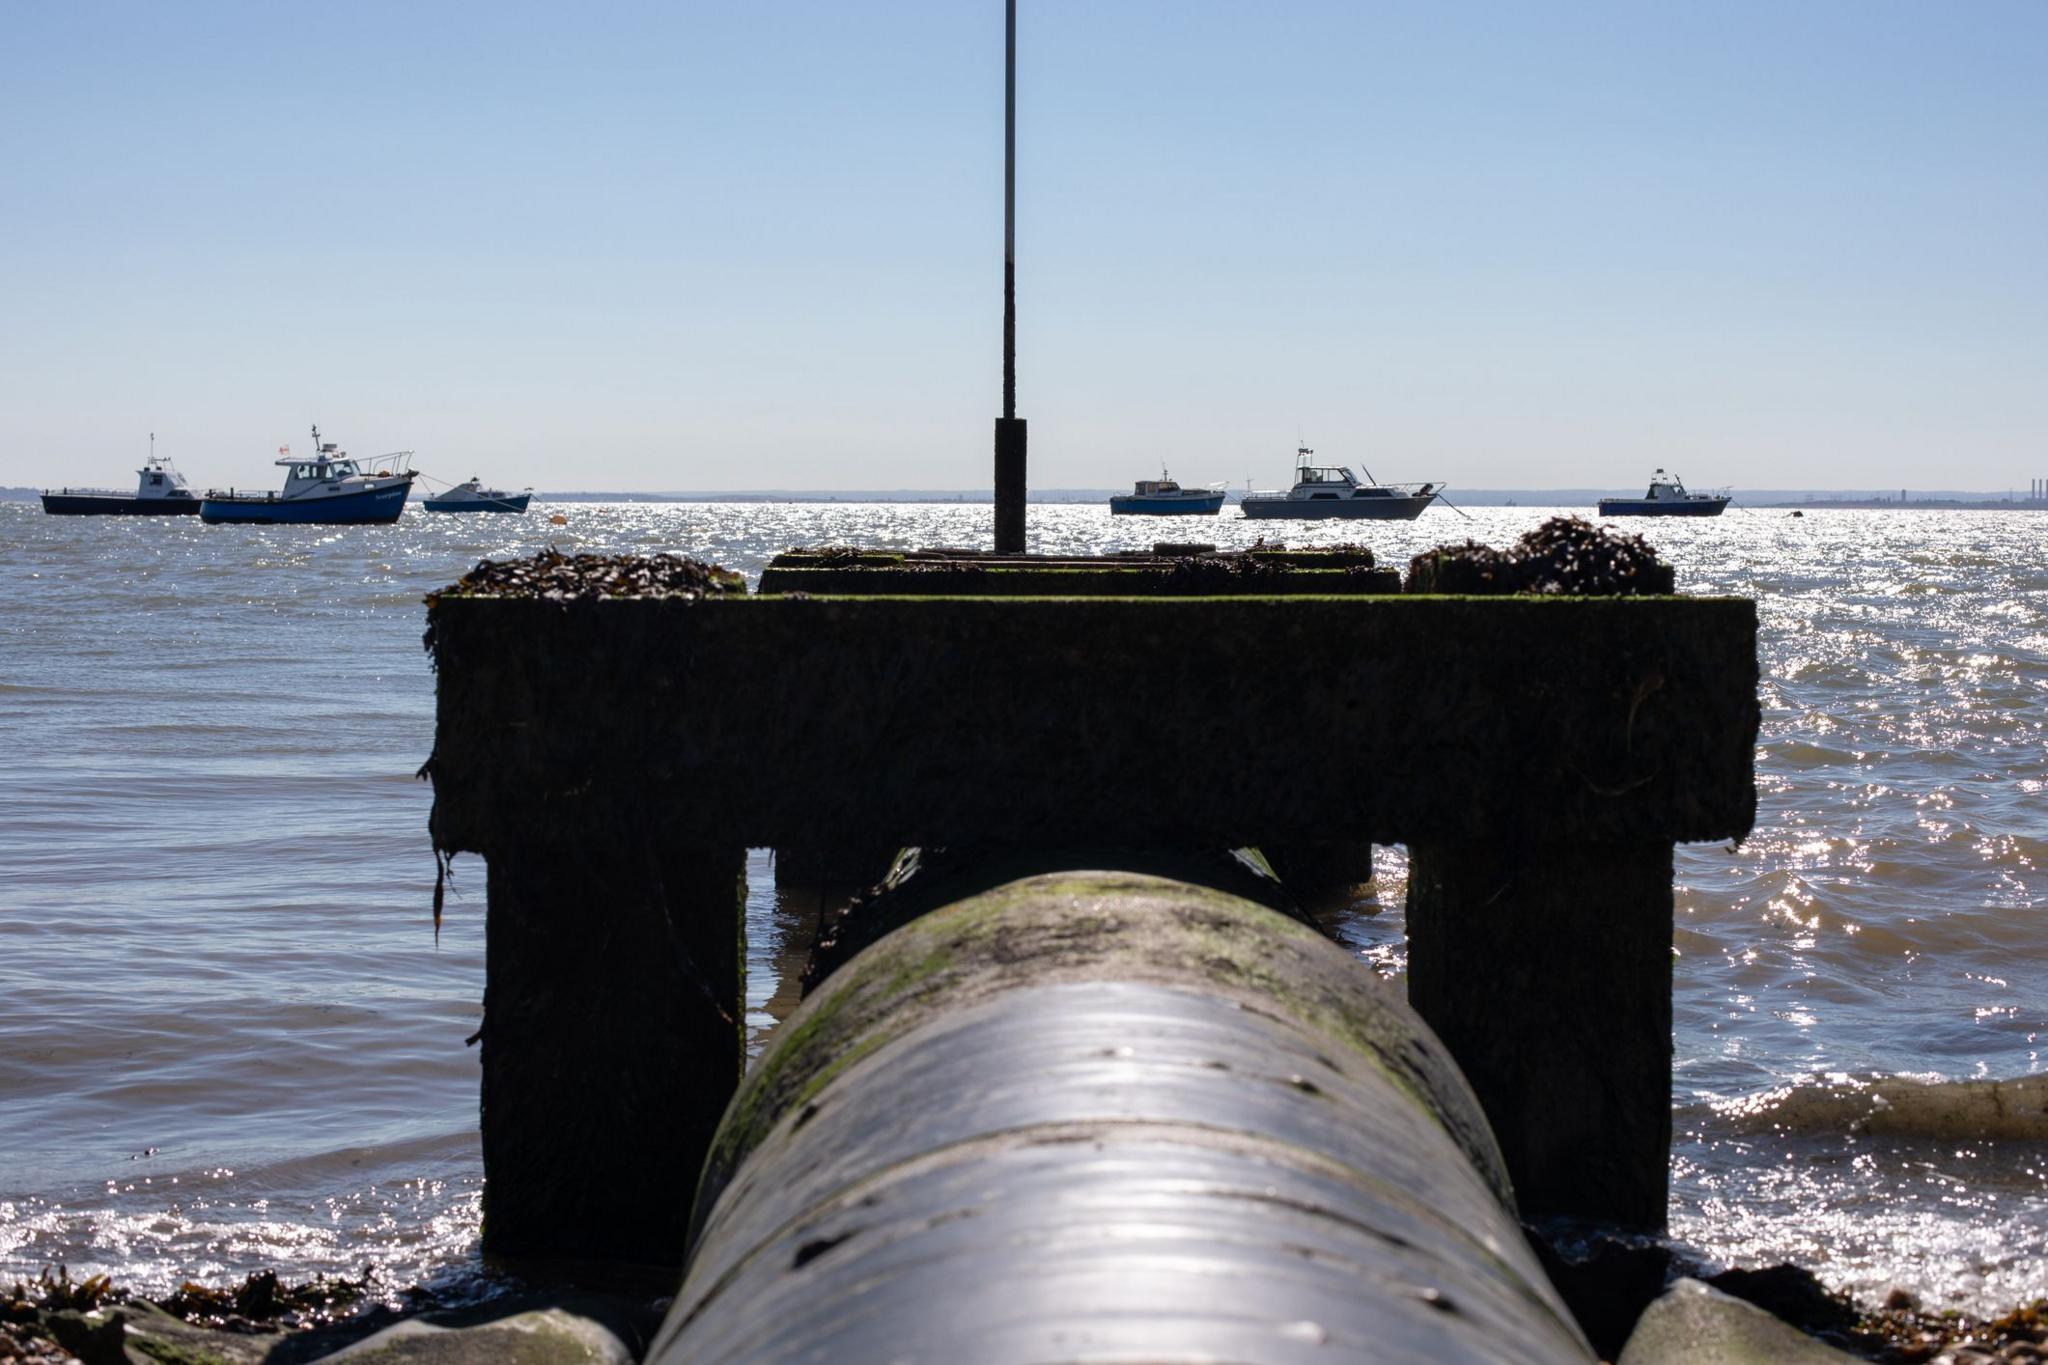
[[230, 1037]]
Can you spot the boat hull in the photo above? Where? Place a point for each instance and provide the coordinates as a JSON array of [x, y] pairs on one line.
[[1639, 507], [1336, 509], [372, 506], [116, 505], [513, 503], [1128, 504]]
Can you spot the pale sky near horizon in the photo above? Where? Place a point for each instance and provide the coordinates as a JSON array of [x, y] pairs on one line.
[[758, 245]]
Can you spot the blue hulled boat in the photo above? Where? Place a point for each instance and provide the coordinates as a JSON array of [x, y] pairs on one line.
[[1162, 497], [330, 490]]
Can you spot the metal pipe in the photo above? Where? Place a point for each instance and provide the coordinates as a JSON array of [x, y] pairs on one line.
[[1108, 1116]]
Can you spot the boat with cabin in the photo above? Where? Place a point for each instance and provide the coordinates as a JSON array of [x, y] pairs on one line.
[[1666, 498], [329, 489], [160, 491], [1327, 491], [1162, 497], [472, 496]]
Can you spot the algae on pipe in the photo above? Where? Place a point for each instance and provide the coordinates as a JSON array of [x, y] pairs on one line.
[[1108, 1115]]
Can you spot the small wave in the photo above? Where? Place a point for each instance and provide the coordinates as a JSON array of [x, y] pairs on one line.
[[1900, 1106]]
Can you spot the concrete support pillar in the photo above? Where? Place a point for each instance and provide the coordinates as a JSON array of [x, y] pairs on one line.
[[613, 1038], [1010, 485], [1547, 973]]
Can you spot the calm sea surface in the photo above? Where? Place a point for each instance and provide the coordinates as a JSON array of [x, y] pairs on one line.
[[229, 1039]]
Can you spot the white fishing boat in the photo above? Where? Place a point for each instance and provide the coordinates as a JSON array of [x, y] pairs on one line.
[[160, 491], [472, 496], [1327, 491], [1667, 498]]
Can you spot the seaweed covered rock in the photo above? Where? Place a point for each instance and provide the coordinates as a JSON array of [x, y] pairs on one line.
[[1564, 556], [539, 1336], [1578, 559], [1198, 575], [1692, 1324], [1471, 568], [1792, 1293], [556, 577]]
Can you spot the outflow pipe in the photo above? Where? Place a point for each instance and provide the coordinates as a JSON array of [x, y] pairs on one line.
[[1108, 1116]]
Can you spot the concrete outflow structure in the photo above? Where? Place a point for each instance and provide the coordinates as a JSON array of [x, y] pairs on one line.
[[1086, 1114]]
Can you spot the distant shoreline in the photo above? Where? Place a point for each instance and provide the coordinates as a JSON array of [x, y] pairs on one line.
[[1846, 500]]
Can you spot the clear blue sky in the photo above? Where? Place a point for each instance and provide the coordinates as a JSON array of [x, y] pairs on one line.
[[748, 245]]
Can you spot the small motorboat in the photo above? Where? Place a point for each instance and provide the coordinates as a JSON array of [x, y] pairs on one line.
[[474, 497], [1667, 498], [160, 491], [1324, 491], [329, 490], [1162, 497]]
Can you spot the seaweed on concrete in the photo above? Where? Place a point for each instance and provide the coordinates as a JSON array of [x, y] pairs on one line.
[[1565, 556], [1574, 557], [1201, 575], [555, 577]]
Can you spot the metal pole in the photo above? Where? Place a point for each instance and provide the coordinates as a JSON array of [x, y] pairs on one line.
[[1010, 433], [1010, 211]]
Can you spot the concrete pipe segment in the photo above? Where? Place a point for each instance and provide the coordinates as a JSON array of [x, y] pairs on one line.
[[1108, 1117]]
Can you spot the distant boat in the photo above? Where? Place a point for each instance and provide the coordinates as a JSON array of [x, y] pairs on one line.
[[160, 491], [1162, 497], [1667, 498], [1325, 491], [330, 490], [474, 497]]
